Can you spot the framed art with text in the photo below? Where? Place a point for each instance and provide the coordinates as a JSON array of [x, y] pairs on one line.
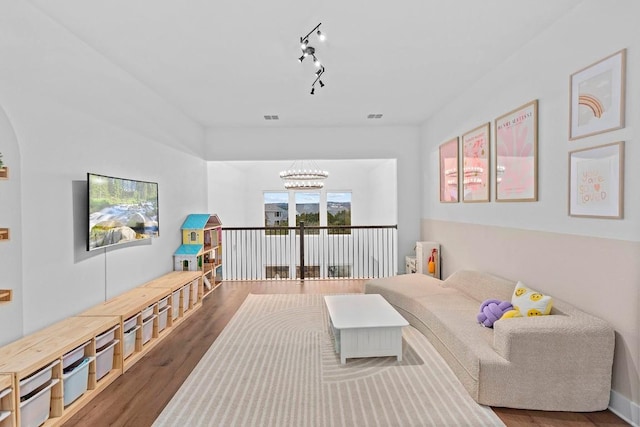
[[517, 154], [596, 178], [449, 161], [475, 165], [598, 97]]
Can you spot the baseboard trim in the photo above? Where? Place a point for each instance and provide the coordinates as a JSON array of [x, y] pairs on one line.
[[625, 408]]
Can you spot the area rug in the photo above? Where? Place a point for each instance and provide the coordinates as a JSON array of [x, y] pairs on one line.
[[274, 365]]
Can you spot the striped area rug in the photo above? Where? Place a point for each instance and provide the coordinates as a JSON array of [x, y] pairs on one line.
[[274, 365]]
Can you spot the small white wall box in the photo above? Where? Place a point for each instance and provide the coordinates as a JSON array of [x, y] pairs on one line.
[[104, 359], [106, 338], [75, 380], [425, 251], [34, 409]]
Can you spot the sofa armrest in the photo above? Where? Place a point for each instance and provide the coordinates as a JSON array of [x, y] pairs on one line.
[[556, 341]]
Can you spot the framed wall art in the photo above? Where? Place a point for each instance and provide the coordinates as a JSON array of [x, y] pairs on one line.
[[449, 162], [517, 154], [475, 165], [596, 178], [597, 97]]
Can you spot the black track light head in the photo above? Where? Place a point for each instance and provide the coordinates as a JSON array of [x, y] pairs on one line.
[[301, 58], [313, 90], [321, 84]]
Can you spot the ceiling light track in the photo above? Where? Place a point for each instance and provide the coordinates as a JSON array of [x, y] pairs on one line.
[[308, 50]]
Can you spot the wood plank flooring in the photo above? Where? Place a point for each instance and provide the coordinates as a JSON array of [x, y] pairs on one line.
[[136, 398]]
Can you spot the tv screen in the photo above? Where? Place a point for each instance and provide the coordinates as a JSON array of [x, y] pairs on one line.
[[121, 210]]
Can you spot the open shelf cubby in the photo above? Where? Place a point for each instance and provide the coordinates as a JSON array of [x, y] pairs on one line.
[[4, 234], [4, 173]]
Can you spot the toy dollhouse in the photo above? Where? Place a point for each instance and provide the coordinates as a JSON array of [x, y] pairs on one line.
[[201, 248]]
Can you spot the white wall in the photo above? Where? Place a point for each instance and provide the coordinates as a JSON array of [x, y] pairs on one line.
[[540, 70], [73, 112], [340, 143], [236, 189], [10, 217]]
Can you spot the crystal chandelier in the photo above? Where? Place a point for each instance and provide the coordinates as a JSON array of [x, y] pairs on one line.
[[303, 176]]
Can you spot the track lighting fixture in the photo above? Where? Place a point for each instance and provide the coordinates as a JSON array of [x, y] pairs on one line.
[[321, 84], [310, 50]]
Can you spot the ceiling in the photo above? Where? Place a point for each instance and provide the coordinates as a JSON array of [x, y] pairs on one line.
[[228, 63]]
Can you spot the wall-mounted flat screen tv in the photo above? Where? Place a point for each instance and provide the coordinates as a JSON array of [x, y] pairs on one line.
[[121, 211]]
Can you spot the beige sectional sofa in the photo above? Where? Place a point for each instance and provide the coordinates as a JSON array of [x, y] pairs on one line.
[[560, 362]]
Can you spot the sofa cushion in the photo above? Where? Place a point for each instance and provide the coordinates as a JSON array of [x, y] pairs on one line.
[[528, 302], [481, 286]]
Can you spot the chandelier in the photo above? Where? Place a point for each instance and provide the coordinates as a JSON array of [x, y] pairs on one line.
[[303, 175]]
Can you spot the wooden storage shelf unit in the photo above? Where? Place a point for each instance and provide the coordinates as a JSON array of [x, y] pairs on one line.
[[7, 401], [130, 306], [6, 295], [4, 173], [4, 234], [30, 354], [186, 284]]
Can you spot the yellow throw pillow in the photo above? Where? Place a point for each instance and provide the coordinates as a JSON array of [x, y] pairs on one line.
[[529, 302]]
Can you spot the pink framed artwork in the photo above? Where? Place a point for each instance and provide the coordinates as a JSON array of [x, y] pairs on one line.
[[516, 163], [475, 165], [598, 97], [449, 161], [596, 181]]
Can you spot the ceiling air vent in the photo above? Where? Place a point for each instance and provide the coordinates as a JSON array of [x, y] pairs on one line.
[[272, 117], [374, 116]]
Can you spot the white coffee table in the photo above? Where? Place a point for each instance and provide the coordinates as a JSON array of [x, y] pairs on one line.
[[364, 325]]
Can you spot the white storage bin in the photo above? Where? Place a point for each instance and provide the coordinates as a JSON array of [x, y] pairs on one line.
[[106, 337], [73, 356], [175, 303], [147, 329], [194, 292], [104, 359], [147, 312], [163, 316], [130, 323], [130, 341], [35, 410], [4, 414], [185, 298], [34, 381], [76, 381], [164, 302]]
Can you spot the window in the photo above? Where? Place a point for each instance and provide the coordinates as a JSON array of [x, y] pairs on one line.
[[277, 272], [194, 236], [339, 212], [276, 212], [310, 271], [339, 271], [308, 210]]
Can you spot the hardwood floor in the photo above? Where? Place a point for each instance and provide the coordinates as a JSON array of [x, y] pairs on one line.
[[136, 398]]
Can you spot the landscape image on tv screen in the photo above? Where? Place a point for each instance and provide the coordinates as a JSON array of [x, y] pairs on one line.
[[121, 210]]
